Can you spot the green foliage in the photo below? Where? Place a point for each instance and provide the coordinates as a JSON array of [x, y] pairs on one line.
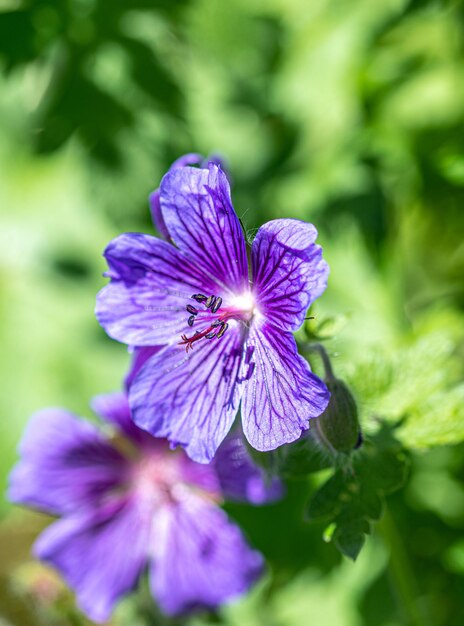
[[353, 496], [345, 114], [418, 386], [69, 39]]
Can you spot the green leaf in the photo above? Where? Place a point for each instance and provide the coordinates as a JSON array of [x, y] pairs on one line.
[[437, 421], [372, 502], [418, 387], [328, 500], [353, 496], [349, 540], [327, 328], [391, 385]]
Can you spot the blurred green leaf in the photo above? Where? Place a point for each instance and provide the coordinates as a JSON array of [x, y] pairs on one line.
[[417, 385], [327, 328], [438, 420]]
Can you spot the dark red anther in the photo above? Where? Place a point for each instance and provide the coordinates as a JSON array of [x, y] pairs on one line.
[[225, 326], [191, 309], [209, 301], [199, 297], [190, 320], [216, 304]]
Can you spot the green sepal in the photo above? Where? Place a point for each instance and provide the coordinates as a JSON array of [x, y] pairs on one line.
[[338, 427]]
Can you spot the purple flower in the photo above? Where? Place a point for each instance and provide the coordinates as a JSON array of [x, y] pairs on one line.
[[128, 502], [225, 328], [191, 158]]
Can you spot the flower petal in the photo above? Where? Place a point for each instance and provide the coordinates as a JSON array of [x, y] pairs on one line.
[[282, 395], [201, 559], [139, 357], [191, 399], [100, 553], [199, 476], [65, 464], [288, 271], [154, 199], [200, 218], [239, 478], [114, 408], [157, 218], [151, 285]]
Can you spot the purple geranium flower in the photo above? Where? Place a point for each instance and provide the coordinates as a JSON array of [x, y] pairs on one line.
[[128, 501], [226, 328], [191, 158]]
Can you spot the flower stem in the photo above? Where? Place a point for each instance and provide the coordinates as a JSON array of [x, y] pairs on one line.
[[319, 348], [401, 574]]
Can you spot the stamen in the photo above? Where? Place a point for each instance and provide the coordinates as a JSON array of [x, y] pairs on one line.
[[216, 304], [199, 297], [209, 301], [239, 309]]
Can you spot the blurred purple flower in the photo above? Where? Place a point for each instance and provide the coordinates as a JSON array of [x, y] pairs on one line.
[[226, 337], [128, 502]]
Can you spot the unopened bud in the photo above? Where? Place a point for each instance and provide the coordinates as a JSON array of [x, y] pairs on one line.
[[338, 427]]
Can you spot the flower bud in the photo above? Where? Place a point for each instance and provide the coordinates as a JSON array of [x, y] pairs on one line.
[[338, 427]]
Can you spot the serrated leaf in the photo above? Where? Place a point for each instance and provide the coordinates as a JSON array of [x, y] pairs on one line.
[[418, 386], [391, 384], [349, 542], [372, 503], [328, 500], [439, 420], [353, 496], [382, 464]]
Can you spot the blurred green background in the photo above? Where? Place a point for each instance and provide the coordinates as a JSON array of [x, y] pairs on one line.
[[347, 113]]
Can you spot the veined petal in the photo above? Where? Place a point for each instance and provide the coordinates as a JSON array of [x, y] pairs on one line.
[[154, 199], [201, 559], [100, 553], [282, 395], [288, 271], [239, 478], [151, 284], [200, 218], [191, 398], [65, 464], [139, 357], [157, 218]]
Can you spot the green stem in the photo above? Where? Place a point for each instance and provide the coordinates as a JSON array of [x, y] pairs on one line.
[[401, 573], [319, 348]]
